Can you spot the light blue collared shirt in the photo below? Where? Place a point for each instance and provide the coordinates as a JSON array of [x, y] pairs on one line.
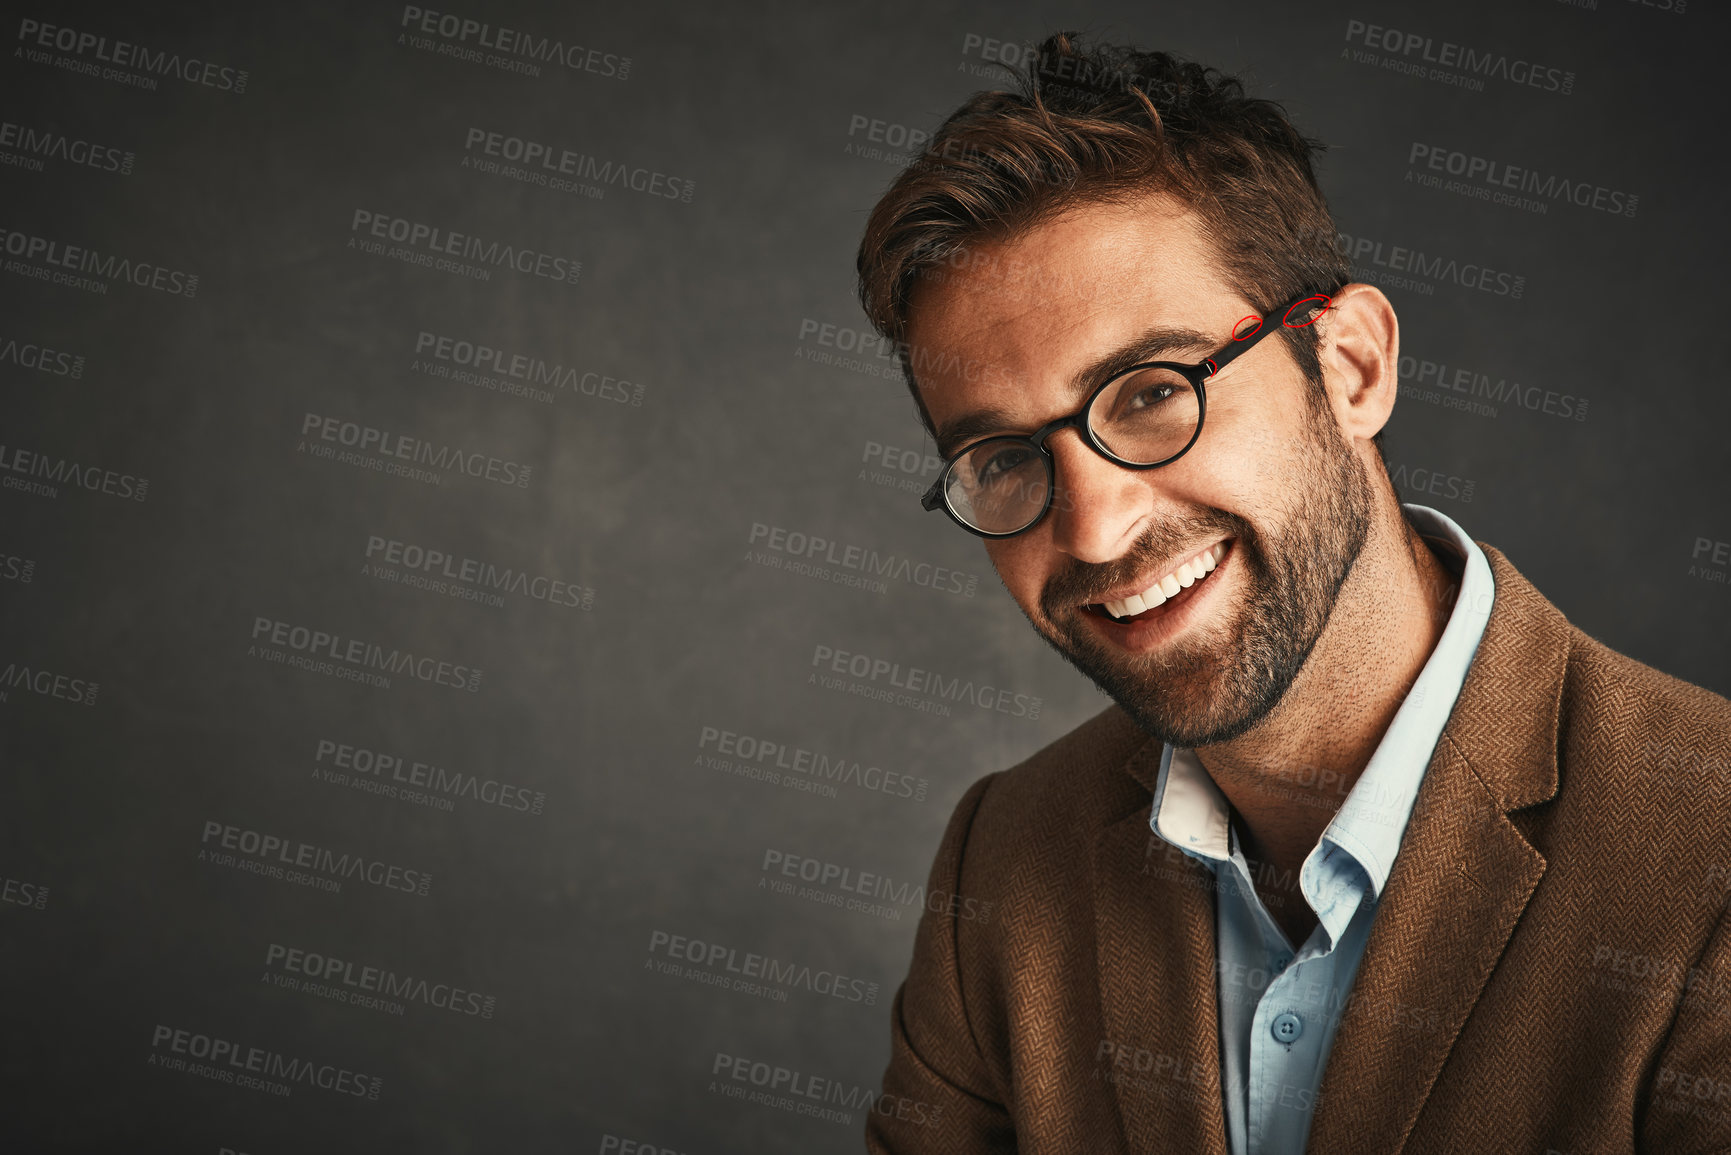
[[1278, 1007]]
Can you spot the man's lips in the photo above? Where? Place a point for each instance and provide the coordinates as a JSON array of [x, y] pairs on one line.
[[1147, 594]]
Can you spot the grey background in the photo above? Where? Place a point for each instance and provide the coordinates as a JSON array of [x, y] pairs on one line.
[[652, 507]]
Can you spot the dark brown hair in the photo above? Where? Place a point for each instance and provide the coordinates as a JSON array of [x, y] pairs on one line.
[[1103, 125]]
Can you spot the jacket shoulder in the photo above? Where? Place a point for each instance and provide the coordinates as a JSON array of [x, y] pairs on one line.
[[1056, 800], [1616, 705], [1643, 767]]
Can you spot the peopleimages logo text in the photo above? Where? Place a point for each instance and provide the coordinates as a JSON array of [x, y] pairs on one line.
[[41, 358], [525, 46], [356, 652], [124, 54], [434, 239], [781, 756], [1431, 267], [379, 765], [547, 161], [835, 876], [1448, 54], [375, 980], [48, 683], [526, 368], [920, 681], [386, 443], [273, 849], [232, 1062], [1501, 175], [863, 559], [471, 571], [47, 144], [105, 267], [66, 471]]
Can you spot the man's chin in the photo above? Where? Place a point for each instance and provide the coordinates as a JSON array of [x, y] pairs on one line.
[[1188, 729], [1190, 715], [1188, 698]]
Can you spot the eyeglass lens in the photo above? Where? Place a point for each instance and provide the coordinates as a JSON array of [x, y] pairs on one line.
[[999, 486]]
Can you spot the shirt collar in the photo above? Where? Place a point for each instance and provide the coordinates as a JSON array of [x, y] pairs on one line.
[[1191, 813]]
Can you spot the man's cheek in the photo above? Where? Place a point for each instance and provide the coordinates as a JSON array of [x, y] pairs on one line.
[[1020, 565]]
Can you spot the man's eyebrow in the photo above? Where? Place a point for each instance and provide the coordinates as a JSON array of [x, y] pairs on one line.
[[1152, 345]]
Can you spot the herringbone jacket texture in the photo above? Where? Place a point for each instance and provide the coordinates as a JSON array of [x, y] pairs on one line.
[[1549, 970]]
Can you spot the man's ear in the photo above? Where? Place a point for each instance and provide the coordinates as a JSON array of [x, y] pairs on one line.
[[1360, 359]]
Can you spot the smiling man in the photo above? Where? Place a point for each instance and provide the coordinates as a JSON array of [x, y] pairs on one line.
[[1375, 851]]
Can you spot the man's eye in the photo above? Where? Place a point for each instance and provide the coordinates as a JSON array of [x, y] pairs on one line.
[[1150, 395], [1002, 462]]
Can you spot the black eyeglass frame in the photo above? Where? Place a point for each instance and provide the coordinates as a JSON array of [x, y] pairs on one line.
[[1240, 343]]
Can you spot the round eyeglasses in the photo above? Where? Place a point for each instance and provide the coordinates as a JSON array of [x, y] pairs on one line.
[[1144, 417]]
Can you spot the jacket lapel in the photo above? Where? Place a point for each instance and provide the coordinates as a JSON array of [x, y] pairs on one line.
[[1462, 878], [1154, 926]]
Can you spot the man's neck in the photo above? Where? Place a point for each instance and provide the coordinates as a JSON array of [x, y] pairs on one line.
[[1286, 778]]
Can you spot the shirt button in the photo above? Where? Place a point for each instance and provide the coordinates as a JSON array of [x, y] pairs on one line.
[[1281, 965], [1287, 1027]]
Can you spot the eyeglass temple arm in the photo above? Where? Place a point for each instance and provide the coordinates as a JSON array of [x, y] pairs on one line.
[[934, 496], [1236, 349]]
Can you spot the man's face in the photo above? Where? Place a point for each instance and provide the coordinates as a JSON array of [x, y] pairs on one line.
[[1272, 487]]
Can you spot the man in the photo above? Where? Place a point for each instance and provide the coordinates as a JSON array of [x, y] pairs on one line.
[[1375, 852]]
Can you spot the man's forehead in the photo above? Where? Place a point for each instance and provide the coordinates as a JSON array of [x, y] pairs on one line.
[[1006, 315], [1087, 258]]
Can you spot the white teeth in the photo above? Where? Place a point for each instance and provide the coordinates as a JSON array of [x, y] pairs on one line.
[[1187, 574]]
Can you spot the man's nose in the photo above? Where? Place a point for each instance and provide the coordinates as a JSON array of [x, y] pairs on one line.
[[1097, 505]]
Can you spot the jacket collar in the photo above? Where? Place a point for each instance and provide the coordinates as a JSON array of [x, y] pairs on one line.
[[1462, 878]]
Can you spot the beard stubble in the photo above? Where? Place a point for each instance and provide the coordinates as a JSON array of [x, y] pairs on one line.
[[1225, 678]]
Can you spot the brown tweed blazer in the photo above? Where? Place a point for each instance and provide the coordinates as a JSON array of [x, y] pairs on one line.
[[1549, 970]]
